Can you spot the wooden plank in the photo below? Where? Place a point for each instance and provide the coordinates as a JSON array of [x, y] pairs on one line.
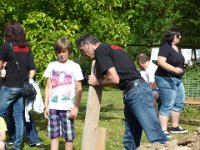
[[90, 129], [101, 139], [192, 102]]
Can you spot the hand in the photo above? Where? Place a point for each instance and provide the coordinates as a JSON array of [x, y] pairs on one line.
[[178, 70], [92, 80], [74, 113], [46, 112], [31, 81]]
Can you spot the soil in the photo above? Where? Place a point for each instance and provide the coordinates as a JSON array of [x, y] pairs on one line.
[[187, 142]]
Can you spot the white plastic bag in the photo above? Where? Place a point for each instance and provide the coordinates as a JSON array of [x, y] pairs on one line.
[[38, 104]]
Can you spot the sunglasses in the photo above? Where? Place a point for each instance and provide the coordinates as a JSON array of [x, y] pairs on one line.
[[178, 35]]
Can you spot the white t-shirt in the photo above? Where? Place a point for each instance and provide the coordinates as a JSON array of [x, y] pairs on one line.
[[63, 77], [149, 73]]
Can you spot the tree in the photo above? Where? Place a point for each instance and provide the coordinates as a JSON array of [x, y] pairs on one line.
[[122, 22]]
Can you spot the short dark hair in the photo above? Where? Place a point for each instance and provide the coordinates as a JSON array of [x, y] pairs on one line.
[[142, 58], [87, 38], [62, 43]]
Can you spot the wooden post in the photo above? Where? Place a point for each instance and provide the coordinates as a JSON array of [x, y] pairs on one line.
[[93, 136]]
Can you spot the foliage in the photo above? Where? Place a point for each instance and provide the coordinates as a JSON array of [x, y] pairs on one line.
[[121, 22], [42, 31]]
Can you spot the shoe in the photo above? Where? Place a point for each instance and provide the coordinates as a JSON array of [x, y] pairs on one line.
[[178, 130], [9, 143], [167, 134], [38, 145]]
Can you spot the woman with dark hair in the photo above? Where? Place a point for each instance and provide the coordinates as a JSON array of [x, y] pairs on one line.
[[168, 79], [11, 86]]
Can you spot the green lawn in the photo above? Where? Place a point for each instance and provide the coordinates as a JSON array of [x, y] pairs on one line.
[[111, 118]]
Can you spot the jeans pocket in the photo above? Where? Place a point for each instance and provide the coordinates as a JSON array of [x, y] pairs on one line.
[[130, 95]]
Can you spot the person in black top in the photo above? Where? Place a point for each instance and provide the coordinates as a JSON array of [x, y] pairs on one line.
[[11, 86], [168, 79], [114, 67]]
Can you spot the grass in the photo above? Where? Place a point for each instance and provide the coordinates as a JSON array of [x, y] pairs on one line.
[[111, 118]]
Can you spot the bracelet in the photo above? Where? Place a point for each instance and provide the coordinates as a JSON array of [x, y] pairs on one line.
[[45, 108]]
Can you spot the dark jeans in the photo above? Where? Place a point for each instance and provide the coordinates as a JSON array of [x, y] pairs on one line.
[[29, 128], [140, 115]]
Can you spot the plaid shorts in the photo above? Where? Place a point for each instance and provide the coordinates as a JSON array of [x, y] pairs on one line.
[[58, 118]]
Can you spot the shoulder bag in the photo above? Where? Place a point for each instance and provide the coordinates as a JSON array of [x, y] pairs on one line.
[[29, 91]]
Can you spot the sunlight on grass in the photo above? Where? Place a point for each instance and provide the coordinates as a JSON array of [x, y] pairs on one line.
[[111, 118]]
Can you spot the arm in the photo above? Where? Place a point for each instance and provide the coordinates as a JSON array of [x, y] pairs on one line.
[[46, 98], [74, 111], [31, 74], [163, 64], [110, 78], [153, 85]]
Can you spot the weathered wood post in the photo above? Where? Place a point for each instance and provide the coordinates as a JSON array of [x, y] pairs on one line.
[[94, 137]]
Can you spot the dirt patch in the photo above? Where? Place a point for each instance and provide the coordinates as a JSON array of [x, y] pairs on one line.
[[188, 142]]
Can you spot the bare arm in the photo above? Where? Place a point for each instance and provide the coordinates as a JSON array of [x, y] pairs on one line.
[[110, 78], [163, 64], [46, 98], [31, 74], [74, 111]]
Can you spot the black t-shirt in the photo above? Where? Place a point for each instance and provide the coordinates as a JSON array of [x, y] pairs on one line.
[[173, 57], [24, 56], [108, 56]]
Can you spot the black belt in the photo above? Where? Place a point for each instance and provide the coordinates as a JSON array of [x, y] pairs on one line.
[[133, 84]]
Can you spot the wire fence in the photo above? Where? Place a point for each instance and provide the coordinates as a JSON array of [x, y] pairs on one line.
[[192, 89]]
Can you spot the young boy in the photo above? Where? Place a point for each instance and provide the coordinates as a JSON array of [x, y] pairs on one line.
[[3, 130], [62, 95]]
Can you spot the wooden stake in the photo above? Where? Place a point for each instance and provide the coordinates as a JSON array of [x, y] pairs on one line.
[[92, 134]]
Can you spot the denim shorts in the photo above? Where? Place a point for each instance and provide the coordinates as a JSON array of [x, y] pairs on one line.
[[59, 123], [172, 94]]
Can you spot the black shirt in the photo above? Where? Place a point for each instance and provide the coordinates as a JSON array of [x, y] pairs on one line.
[[108, 56], [173, 57], [24, 56]]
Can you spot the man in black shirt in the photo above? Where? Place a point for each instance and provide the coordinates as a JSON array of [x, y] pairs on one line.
[[114, 67]]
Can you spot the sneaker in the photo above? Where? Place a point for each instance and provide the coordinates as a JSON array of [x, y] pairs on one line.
[[9, 143], [178, 130], [167, 134], [38, 145]]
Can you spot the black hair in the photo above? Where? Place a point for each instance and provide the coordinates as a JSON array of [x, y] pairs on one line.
[[169, 35], [87, 38]]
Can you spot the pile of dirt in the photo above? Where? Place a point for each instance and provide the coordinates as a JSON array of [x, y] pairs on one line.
[[188, 142]]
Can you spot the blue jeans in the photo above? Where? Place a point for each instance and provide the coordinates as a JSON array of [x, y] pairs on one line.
[[172, 94], [10, 95], [140, 114], [29, 127]]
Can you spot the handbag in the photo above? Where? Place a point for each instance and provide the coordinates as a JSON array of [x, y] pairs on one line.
[[29, 91]]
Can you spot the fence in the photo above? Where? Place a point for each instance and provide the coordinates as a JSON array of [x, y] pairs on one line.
[[192, 88]]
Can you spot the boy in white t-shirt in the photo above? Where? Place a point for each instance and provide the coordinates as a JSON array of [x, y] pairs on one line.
[[62, 95], [3, 130]]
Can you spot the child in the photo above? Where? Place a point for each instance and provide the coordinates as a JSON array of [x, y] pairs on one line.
[[62, 95], [3, 130]]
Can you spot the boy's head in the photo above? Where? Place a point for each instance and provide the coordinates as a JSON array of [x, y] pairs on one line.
[[142, 60], [62, 49]]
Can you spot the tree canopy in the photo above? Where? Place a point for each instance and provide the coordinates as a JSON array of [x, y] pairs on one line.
[[121, 22]]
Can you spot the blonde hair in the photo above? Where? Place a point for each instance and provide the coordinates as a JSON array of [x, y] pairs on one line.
[[61, 44]]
